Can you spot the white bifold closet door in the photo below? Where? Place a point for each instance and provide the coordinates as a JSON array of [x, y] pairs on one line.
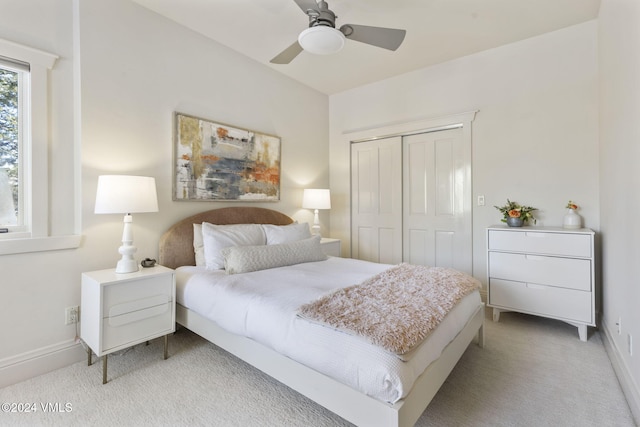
[[411, 200]]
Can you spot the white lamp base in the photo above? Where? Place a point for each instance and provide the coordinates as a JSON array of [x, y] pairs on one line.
[[315, 229], [127, 264]]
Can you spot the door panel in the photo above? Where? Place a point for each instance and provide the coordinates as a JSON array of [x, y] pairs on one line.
[[376, 200], [437, 209]]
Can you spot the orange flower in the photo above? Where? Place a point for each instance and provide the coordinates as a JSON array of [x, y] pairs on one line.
[[514, 213], [572, 205]]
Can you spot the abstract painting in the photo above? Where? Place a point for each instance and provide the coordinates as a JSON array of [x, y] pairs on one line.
[[215, 161]]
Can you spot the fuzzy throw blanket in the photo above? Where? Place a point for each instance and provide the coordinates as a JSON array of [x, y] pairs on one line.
[[396, 309]]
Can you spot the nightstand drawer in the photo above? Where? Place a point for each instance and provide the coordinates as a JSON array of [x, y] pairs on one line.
[[145, 287], [564, 244], [544, 270], [135, 326], [541, 300], [137, 310]]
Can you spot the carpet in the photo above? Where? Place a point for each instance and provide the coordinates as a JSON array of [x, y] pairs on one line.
[[532, 372]]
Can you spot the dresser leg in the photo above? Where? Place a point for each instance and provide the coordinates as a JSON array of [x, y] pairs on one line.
[[88, 356], [582, 332], [496, 315], [104, 369]]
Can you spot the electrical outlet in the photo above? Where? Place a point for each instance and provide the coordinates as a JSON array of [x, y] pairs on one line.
[[480, 200], [619, 325], [630, 342], [71, 315]]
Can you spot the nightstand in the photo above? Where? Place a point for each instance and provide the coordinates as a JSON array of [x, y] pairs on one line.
[[120, 310], [330, 246]]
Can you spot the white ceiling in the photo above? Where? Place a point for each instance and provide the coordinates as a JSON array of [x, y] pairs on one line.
[[437, 31]]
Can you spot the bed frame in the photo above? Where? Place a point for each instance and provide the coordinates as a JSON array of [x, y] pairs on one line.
[[176, 249]]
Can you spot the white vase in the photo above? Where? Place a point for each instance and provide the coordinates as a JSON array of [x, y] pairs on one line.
[[572, 220]]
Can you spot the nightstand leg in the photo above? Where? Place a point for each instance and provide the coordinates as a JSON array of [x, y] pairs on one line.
[[88, 356], [166, 347], [104, 369]]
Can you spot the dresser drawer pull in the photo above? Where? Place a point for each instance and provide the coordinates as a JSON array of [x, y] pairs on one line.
[[535, 258], [539, 287], [535, 234]]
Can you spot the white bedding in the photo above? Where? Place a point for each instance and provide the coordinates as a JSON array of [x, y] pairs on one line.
[[262, 305]]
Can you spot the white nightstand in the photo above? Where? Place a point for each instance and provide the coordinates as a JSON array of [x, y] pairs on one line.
[[330, 246], [120, 310]]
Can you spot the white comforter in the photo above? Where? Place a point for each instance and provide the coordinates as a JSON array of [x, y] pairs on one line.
[[262, 305]]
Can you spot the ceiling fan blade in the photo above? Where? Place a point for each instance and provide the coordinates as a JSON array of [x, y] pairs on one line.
[[307, 5], [387, 38], [288, 54]]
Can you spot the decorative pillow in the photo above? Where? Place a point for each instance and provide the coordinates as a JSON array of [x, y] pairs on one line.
[[218, 237], [286, 233], [198, 245], [244, 259]]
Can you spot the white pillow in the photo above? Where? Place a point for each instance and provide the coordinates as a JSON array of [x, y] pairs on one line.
[[198, 245], [244, 259], [218, 237], [286, 233]]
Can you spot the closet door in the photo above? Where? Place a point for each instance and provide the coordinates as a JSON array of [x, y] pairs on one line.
[[437, 200], [376, 200]]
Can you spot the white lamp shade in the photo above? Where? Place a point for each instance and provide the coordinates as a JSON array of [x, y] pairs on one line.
[[321, 40], [126, 194], [316, 198]]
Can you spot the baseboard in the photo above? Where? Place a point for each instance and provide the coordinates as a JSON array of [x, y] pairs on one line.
[[27, 365], [628, 384]]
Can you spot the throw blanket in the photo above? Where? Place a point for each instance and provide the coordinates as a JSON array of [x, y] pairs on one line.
[[396, 309]]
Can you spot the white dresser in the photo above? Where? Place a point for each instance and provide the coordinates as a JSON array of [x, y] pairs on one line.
[[545, 271]]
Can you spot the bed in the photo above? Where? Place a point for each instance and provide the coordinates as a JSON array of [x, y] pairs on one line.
[[303, 368]]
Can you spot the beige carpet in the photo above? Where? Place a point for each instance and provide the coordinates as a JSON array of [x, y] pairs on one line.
[[532, 372]]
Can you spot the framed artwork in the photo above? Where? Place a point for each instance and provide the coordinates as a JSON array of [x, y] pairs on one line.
[[215, 161]]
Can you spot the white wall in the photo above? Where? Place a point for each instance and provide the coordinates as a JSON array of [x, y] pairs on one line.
[[619, 63], [36, 287], [137, 68], [535, 136]]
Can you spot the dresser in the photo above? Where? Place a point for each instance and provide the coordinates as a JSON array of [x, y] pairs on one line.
[[544, 271], [121, 310]]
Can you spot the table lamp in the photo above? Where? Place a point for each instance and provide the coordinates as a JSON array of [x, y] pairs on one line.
[[316, 198], [125, 194]]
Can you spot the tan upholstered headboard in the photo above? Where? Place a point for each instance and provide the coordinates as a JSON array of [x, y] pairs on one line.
[[176, 244]]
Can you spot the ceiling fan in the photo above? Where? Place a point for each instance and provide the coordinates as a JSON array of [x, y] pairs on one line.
[[322, 38]]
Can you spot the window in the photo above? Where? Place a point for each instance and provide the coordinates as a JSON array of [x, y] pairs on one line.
[[25, 157], [14, 77]]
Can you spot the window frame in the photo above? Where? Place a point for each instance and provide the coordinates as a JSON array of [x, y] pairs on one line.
[[24, 82], [35, 149]]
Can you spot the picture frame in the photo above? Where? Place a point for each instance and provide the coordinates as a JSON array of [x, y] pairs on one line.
[[214, 161]]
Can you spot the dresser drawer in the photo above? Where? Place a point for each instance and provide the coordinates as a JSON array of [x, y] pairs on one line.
[[569, 273], [563, 244], [145, 287], [542, 300]]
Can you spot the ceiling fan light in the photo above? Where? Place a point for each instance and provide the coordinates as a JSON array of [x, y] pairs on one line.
[[321, 40]]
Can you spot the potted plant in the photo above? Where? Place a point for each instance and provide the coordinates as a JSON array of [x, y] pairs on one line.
[[515, 215]]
